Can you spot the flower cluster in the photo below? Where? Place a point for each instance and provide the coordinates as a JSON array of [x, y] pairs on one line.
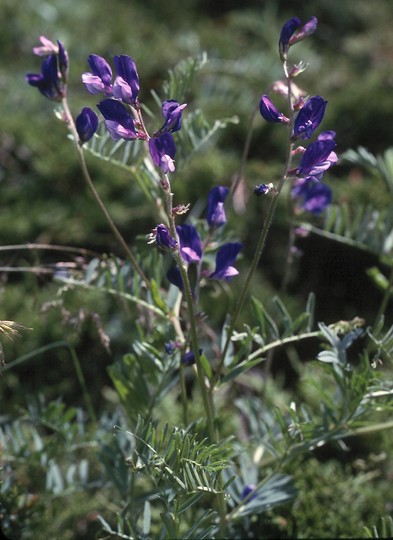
[[190, 244], [122, 112], [306, 116], [120, 107]]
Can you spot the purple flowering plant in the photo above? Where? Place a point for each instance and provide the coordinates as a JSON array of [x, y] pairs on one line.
[[190, 257]]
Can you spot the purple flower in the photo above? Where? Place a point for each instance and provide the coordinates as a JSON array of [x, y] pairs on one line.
[[86, 124], [163, 238], [306, 30], [262, 189], [51, 81], [190, 243], [248, 488], [290, 34], [318, 157], [172, 113], [118, 120], [225, 260], [162, 150], [188, 358], [286, 33], [215, 213], [315, 196], [162, 145], [174, 276], [309, 117], [170, 347], [126, 85], [270, 112], [100, 78]]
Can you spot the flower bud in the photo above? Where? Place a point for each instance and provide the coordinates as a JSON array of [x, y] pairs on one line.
[[86, 124]]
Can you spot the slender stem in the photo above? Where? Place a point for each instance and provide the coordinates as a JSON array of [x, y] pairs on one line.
[[257, 256], [281, 343], [206, 391], [289, 257], [385, 300], [97, 198], [246, 150], [49, 247], [82, 382], [183, 392]]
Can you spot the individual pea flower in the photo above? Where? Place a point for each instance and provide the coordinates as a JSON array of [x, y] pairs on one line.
[[52, 81], [225, 259], [126, 84], [291, 33], [309, 117], [306, 30], [270, 112], [100, 78], [263, 189], [86, 124], [318, 157], [314, 196], [162, 237], [190, 243], [215, 212], [118, 120], [162, 145], [162, 150], [172, 112]]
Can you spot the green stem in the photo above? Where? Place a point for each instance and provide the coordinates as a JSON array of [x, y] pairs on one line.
[[101, 205], [183, 393], [262, 237], [284, 341], [207, 397], [82, 382], [258, 253], [385, 300], [246, 150]]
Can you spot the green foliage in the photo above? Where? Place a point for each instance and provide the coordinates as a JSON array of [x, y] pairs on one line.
[[385, 530], [129, 452]]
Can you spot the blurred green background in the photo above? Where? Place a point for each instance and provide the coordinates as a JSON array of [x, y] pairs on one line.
[[43, 197]]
